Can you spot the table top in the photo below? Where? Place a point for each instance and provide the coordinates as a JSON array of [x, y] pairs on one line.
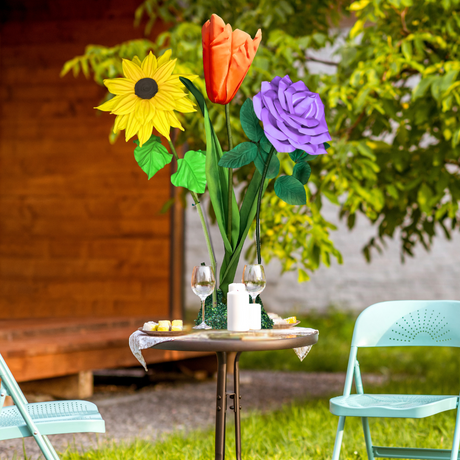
[[250, 341]]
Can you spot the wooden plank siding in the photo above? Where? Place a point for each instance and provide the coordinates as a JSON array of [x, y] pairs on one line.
[[81, 233], [80, 229]]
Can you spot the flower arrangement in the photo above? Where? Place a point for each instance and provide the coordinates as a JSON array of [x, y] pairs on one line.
[[293, 121]]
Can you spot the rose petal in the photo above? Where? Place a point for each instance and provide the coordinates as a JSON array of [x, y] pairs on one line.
[[268, 103], [280, 146], [258, 105], [282, 87], [266, 86], [271, 127]]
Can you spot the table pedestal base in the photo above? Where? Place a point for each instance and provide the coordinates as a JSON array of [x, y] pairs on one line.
[[221, 404]]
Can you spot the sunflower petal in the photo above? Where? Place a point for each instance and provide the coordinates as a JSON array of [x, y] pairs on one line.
[[184, 105], [143, 111], [109, 105], [137, 61], [163, 101], [126, 104], [165, 71], [174, 79], [132, 70], [119, 86], [153, 109], [120, 123], [132, 126], [161, 124], [173, 120], [171, 89], [164, 57], [149, 65], [145, 131]]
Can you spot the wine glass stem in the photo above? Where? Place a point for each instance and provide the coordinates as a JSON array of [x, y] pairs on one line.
[[202, 310]]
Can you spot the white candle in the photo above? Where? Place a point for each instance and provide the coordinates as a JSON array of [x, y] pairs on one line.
[[237, 307], [255, 316]]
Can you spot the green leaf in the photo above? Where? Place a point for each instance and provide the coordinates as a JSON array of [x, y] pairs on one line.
[[250, 122], [357, 28], [265, 143], [423, 86], [191, 172], [366, 151], [290, 190], [359, 5], [302, 172], [261, 159], [217, 178], [326, 145], [297, 155], [241, 155], [424, 197], [300, 155], [406, 49], [152, 156], [247, 213]]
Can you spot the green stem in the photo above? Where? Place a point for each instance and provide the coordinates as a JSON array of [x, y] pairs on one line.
[[230, 176], [203, 224], [259, 201]]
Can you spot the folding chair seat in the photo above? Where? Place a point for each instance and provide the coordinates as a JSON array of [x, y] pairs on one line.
[[45, 418], [399, 323], [397, 406]]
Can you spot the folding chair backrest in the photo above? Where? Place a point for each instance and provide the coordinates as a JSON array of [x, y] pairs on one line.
[[9, 383], [409, 323]]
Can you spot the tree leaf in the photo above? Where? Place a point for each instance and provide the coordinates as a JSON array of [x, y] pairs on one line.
[[241, 155], [250, 122], [191, 172], [152, 156], [302, 172], [290, 190], [424, 84], [261, 159]]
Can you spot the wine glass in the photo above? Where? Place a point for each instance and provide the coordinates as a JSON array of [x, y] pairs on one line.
[[203, 283], [254, 280]]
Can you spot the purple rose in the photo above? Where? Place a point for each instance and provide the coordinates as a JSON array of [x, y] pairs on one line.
[[292, 115]]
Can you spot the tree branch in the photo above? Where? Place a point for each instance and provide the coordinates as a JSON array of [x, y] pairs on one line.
[[321, 61]]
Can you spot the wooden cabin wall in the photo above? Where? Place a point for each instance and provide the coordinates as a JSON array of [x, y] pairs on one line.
[[81, 234]]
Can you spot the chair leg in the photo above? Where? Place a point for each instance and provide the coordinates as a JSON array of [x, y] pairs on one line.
[[456, 441], [338, 439], [45, 446], [54, 454], [367, 438]]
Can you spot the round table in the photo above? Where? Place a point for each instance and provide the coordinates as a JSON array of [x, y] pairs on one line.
[[223, 345]]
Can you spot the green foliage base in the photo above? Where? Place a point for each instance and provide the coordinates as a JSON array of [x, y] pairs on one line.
[[216, 317]]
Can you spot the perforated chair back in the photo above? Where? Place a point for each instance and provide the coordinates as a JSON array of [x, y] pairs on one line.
[[44, 418], [409, 323], [390, 324]]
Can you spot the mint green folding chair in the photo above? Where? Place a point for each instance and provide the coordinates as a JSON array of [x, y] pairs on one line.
[[41, 419], [389, 324]]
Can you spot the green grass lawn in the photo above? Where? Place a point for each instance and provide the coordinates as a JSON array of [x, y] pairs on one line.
[[306, 429]]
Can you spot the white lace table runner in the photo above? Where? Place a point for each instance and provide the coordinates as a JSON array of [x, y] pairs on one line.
[[140, 341]]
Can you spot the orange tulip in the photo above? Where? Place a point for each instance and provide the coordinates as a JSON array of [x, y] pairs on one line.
[[227, 57]]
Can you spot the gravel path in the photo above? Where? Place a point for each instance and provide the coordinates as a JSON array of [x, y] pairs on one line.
[[162, 408]]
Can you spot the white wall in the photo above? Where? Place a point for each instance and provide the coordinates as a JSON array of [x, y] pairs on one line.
[[355, 284]]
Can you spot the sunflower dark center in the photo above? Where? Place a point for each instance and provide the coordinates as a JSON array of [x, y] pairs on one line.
[[146, 88]]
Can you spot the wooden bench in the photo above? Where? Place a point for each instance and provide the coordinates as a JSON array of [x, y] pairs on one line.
[[72, 348]]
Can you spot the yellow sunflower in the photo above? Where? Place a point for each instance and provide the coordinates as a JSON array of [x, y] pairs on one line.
[[147, 97]]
